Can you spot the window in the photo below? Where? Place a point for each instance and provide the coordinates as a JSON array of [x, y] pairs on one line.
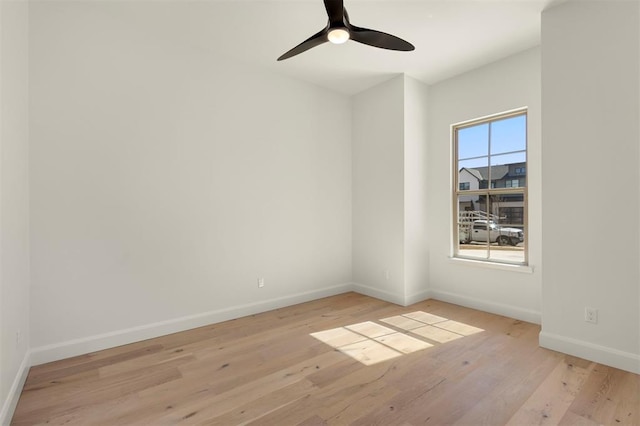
[[490, 222]]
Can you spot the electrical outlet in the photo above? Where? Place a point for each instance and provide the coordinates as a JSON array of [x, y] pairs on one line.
[[260, 282], [386, 274], [591, 315], [18, 337]]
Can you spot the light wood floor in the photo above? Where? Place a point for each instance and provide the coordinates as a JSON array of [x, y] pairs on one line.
[[267, 370]]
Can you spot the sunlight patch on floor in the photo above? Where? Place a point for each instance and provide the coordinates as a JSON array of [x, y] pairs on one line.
[[403, 343], [370, 329], [369, 352], [424, 317], [370, 343], [338, 337], [403, 322], [459, 328], [436, 334]]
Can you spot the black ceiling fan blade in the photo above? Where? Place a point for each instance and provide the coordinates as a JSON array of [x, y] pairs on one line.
[[335, 11], [313, 41], [379, 39], [341, 30]]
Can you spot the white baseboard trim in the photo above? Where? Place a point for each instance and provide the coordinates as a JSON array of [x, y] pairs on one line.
[[418, 297], [57, 351], [10, 403], [522, 314], [601, 354], [391, 297], [379, 294]]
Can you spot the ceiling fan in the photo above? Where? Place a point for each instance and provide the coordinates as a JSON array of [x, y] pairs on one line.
[[339, 30]]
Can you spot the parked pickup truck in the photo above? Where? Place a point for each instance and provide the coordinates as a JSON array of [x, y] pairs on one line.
[[495, 233]]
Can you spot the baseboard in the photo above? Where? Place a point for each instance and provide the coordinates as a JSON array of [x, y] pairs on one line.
[[522, 314], [9, 404], [418, 297], [601, 354], [379, 294], [391, 297], [54, 352]]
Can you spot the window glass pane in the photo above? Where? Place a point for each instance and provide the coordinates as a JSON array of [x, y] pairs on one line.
[[507, 228], [473, 141], [473, 172], [509, 134], [499, 176], [474, 164], [472, 224], [491, 178], [503, 170], [511, 159]]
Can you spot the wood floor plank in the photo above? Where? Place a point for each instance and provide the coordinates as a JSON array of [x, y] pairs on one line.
[[572, 419], [90, 413], [268, 369], [44, 374], [66, 401], [460, 393], [552, 399], [498, 405], [335, 398], [609, 393], [209, 405], [255, 410]]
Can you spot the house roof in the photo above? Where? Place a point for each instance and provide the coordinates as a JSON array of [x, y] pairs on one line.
[[482, 173], [474, 172]]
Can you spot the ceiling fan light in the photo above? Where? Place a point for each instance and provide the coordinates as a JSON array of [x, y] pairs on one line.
[[338, 35]]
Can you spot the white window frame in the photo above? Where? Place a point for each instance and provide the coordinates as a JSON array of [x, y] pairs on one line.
[[456, 192]]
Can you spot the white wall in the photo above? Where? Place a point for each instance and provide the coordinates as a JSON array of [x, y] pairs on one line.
[[591, 106], [165, 181], [14, 203], [389, 191], [378, 191], [416, 246], [504, 85]]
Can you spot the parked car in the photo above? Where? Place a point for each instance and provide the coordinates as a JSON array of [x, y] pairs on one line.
[[482, 230]]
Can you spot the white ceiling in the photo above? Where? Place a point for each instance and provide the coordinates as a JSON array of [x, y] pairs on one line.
[[451, 36]]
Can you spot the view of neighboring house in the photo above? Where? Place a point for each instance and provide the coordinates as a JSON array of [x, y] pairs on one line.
[[509, 207]]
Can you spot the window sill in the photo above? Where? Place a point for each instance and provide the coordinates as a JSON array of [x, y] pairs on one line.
[[524, 269]]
